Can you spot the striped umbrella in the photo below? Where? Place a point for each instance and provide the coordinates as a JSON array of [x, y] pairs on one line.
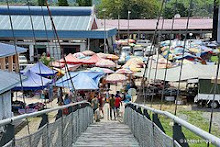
[[112, 57], [115, 78], [105, 63], [102, 55], [104, 70], [124, 71]]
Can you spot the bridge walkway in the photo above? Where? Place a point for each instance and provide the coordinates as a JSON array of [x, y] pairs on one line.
[[107, 134]]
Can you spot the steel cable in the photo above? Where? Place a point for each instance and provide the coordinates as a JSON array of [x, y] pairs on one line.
[[153, 42], [168, 52], [157, 62], [183, 53], [19, 72], [55, 31]]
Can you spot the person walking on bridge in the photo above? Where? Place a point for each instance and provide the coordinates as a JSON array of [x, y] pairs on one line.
[[95, 106], [112, 106], [117, 104]]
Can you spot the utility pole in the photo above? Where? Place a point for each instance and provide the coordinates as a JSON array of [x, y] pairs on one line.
[[215, 20], [105, 49], [118, 26], [129, 12]]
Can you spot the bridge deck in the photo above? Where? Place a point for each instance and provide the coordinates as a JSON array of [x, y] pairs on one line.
[[111, 133]]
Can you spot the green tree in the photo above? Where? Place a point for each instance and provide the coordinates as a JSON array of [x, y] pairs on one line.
[[84, 2], [199, 8], [180, 9], [63, 3], [139, 8], [41, 2]]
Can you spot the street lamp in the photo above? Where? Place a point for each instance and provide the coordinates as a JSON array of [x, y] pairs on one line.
[[105, 49], [190, 34], [129, 12], [118, 26]]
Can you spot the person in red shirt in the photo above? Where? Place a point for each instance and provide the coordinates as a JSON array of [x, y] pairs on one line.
[[117, 104], [101, 104]]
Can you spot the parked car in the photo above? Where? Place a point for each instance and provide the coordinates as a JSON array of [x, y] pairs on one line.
[[138, 51], [22, 59], [149, 51], [143, 43], [125, 51]]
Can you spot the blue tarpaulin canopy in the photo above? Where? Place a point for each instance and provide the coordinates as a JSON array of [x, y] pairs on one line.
[[186, 56], [33, 82], [81, 80], [9, 50], [41, 69]]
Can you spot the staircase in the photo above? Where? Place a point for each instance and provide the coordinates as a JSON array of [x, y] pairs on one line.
[[107, 134]]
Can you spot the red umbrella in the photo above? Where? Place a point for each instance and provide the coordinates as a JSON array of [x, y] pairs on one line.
[[57, 64], [70, 59], [105, 63], [72, 67], [93, 60], [114, 78]]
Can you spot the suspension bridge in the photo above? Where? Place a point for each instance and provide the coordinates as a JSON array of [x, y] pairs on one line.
[[141, 126]]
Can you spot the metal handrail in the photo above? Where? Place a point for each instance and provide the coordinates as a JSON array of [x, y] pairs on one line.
[[34, 114], [205, 135]]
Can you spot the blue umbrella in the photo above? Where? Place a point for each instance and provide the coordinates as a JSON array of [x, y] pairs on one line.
[[81, 80]]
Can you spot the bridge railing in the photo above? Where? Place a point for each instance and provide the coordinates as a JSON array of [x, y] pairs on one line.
[[63, 132], [148, 130]]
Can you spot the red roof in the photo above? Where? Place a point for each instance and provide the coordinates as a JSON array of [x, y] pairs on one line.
[[150, 24]]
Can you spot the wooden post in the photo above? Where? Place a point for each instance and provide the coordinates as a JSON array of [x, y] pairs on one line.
[[10, 63], [2, 61], [16, 63]]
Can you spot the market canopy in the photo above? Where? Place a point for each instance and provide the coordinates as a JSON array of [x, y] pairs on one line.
[[33, 82], [9, 50], [93, 60], [40, 69], [189, 71], [81, 80], [8, 80], [70, 59]]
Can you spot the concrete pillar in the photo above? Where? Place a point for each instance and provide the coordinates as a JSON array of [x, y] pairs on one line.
[[88, 44], [16, 63], [2, 61], [82, 46], [10, 63], [31, 52]]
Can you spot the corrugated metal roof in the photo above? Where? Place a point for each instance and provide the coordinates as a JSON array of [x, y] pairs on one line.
[[55, 11], [92, 34], [70, 23], [9, 50], [8, 80], [23, 22], [150, 24]]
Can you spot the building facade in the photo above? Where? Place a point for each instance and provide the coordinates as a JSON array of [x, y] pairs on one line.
[[76, 27]]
